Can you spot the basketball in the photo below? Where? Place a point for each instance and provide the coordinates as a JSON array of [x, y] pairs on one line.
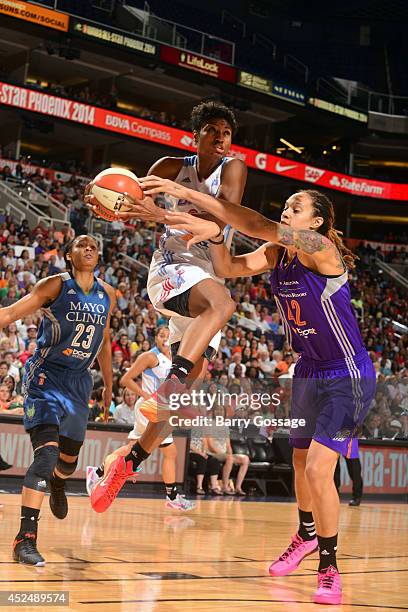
[[109, 187]]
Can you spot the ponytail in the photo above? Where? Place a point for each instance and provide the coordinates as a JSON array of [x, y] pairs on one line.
[[347, 256], [323, 207]]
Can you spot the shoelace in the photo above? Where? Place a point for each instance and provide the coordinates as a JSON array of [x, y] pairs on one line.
[[291, 548], [30, 546], [327, 580]]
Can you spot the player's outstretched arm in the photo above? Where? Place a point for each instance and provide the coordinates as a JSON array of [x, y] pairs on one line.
[[144, 361], [44, 292], [243, 219], [225, 265]]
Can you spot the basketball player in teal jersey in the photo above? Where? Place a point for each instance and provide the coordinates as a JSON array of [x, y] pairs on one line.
[[182, 283], [76, 309]]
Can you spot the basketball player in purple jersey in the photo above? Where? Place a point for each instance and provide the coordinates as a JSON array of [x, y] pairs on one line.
[[334, 381]]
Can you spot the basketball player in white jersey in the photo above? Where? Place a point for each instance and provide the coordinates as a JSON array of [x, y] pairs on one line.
[[153, 366], [182, 283], [175, 272]]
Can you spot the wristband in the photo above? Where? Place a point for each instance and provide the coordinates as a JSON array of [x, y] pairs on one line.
[[220, 234]]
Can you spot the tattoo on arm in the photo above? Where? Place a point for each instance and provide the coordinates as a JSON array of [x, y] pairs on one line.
[[308, 241]]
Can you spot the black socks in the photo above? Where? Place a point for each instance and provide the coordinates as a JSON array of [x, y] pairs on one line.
[[137, 455], [327, 552], [100, 471], [181, 368], [57, 481], [29, 520], [171, 490], [307, 529]]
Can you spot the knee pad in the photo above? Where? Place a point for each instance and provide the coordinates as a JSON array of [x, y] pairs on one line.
[[66, 468], [41, 434], [68, 446], [41, 469]]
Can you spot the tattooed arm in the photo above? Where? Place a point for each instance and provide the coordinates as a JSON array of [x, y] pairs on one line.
[[314, 250]]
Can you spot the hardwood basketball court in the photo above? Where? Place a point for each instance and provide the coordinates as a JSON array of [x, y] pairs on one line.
[[139, 556]]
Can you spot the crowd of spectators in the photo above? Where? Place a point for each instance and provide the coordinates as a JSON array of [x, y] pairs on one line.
[[253, 357]]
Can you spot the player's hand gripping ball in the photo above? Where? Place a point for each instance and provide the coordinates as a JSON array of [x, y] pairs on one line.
[[108, 189]]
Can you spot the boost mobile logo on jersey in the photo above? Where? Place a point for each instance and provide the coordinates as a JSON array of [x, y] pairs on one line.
[[304, 333], [69, 352]]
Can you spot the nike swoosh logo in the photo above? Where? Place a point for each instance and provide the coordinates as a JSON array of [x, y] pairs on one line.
[[281, 168]]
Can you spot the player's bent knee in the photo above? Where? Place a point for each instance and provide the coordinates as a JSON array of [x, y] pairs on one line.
[[69, 447], [41, 469], [66, 468], [315, 473]]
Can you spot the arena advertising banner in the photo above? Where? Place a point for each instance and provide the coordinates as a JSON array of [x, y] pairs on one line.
[[16, 449], [105, 35], [35, 14], [384, 470], [129, 125], [266, 86], [198, 63]]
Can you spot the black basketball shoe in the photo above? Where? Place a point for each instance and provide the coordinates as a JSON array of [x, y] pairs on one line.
[[25, 550], [58, 499]]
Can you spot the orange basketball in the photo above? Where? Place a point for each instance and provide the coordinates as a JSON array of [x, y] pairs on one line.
[[109, 187]]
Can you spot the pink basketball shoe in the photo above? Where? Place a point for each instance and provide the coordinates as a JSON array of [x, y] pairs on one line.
[[297, 550], [328, 587]]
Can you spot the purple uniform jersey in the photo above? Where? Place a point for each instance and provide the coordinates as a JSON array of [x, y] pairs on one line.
[[316, 312], [334, 379]]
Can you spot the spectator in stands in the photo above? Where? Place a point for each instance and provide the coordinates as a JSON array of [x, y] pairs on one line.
[[96, 409], [122, 345], [31, 334], [125, 411], [16, 343], [266, 364], [219, 446], [206, 464], [28, 352], [10, 405], [236, 360]]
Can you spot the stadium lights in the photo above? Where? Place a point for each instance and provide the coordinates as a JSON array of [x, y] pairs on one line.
[[290, 145]]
